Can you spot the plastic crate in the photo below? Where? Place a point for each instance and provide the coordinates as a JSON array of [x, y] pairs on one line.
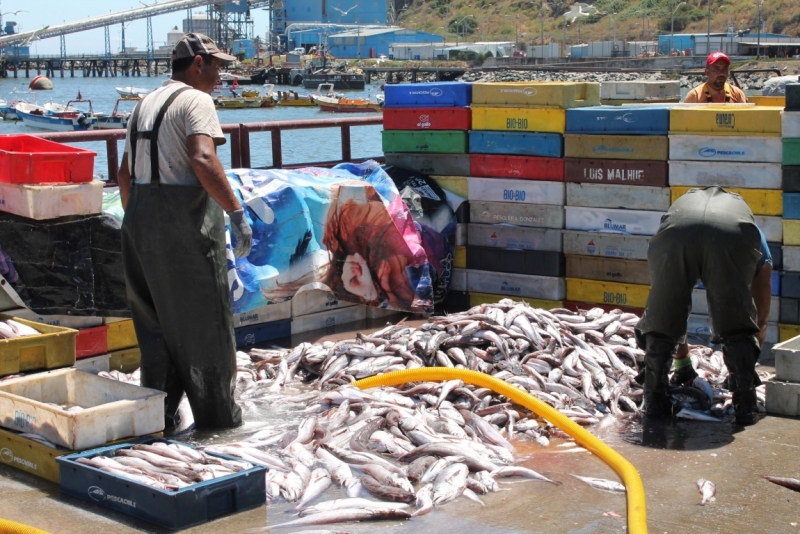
[[608, 269], [476, 299], [440, 164], [523, 167], [31, 456], [616, 171], [578, 306], [460, 258], [721, 119], [53, 349], [539, 94], [415, 141], [627, 120], [517, 143], [517, 119], [504, 260], [174, 510], [121, 335], [112, 410], [125, 360], [51, 201], [427, 118], [26, 159], [791, 152], [435, 94], [258, 333], [91, 341], [749, 149], [614, 293], [635, 147]]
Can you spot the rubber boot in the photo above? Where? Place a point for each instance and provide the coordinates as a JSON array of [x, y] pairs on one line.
[[657, 364], [740, 357]]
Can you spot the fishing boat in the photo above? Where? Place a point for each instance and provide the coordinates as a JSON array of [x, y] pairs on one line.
[[132, 92], [348, 105], [8, 106], [117, 119], [237, 102], [38, 117], [292, 99]]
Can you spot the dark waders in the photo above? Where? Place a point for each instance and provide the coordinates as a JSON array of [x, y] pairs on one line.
[[707, 235], [173, 250]]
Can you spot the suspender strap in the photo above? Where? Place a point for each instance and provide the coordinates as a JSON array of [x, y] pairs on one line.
[[727, 93], [152, 135]]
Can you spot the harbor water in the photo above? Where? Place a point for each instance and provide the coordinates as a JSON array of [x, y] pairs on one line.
[[298, 146]]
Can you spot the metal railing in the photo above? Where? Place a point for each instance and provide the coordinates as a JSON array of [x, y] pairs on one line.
[[239, 140]]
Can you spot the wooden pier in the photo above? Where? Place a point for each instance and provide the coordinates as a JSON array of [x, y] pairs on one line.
[[90, 66]]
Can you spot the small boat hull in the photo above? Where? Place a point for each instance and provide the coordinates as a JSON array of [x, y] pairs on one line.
[[238, 103], [56, 124], [297, 102], [111, 123]]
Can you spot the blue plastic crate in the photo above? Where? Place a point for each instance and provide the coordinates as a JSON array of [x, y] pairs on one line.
[[776, 251], [427, 95], [791, 205], [777, 282], [790, 285], [259, 333], [547, 145], [174, 510], [623, 120]]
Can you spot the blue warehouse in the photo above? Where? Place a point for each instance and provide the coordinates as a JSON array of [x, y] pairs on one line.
[[372, 42]]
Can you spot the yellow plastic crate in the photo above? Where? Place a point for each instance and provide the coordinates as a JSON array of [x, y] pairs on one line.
[[726, 120], [772, 101], [125, 360], [542, 94], [636, 147], [761, 201], [788, 331], [614, 293], [544, 120], [121, 335], [791, 232], [458, 185], [476, 299], [460, 258], [53, 349], [32, 457]]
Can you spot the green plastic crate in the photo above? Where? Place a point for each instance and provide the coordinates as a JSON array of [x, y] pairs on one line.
[[438, 142], [791, 151]]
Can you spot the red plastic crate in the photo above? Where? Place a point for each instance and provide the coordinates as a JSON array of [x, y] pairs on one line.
[[26, 159], [524, 167], [91, 342], [427, 119]]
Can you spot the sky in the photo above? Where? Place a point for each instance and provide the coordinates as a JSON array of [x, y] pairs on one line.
[[36, 14]]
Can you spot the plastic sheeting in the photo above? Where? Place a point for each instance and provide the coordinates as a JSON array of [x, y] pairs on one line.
[[348, 228], [67, 266]]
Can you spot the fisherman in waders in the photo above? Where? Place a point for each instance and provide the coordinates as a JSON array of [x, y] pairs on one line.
[[174, 192], [707, 235], [716, 89]]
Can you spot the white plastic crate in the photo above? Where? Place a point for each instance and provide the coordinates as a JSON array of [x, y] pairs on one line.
[[458, 280], [725, 174], [771, 226], [51, 201], [631, 247], [517, 285], [521, 191], [787, 360], [265, 314], [783, 398], [635, 222], [514, 237], [725, 148], [328, 319], [640, 197], [112, 410]]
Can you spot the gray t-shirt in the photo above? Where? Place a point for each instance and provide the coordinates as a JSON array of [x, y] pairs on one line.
[[191, 113]]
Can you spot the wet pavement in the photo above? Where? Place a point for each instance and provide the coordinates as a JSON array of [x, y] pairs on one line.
[[670, 456]]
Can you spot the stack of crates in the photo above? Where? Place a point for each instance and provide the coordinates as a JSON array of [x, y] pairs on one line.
[[426, 129], [790, 283], [516, 190], [637, 92], [616, 174], [737, 147], [42, 180]]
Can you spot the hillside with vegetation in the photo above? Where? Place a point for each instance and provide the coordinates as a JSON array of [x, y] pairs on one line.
[[525, 21]]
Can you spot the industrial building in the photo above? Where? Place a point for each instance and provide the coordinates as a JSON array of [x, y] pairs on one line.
[[372, 42], [734, 44]]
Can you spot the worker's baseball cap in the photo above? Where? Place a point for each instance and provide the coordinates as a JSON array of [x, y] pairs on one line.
[[193, 44], [717, 57]]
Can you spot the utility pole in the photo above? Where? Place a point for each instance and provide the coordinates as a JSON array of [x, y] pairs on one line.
[[564, 45], [108, 42], [708, 30], [758, 25], [542, 30]]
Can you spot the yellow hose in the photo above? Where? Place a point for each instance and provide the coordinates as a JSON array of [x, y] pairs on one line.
[[637, 512], [10, 527]]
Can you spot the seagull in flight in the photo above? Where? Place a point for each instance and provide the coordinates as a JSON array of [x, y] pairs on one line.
[[344, 13], [34, 36], [17, 12]]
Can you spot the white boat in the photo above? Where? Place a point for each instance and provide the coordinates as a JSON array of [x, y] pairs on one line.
[[8, 107], [117, 119], [39, 117], [132, 92]]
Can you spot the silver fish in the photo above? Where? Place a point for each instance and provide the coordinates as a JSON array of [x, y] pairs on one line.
[[601, 483], [707, 491]]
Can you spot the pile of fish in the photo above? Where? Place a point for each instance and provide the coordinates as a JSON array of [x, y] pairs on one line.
[[427, 444], [10, 329], [165, 466]]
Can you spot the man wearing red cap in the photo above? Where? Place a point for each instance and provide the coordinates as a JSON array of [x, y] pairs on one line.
[[716, 89]]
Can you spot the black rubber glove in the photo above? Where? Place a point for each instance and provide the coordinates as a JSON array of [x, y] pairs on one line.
[[244, 235]]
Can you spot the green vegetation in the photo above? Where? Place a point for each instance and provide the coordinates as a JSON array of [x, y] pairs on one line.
[[523, 21]]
